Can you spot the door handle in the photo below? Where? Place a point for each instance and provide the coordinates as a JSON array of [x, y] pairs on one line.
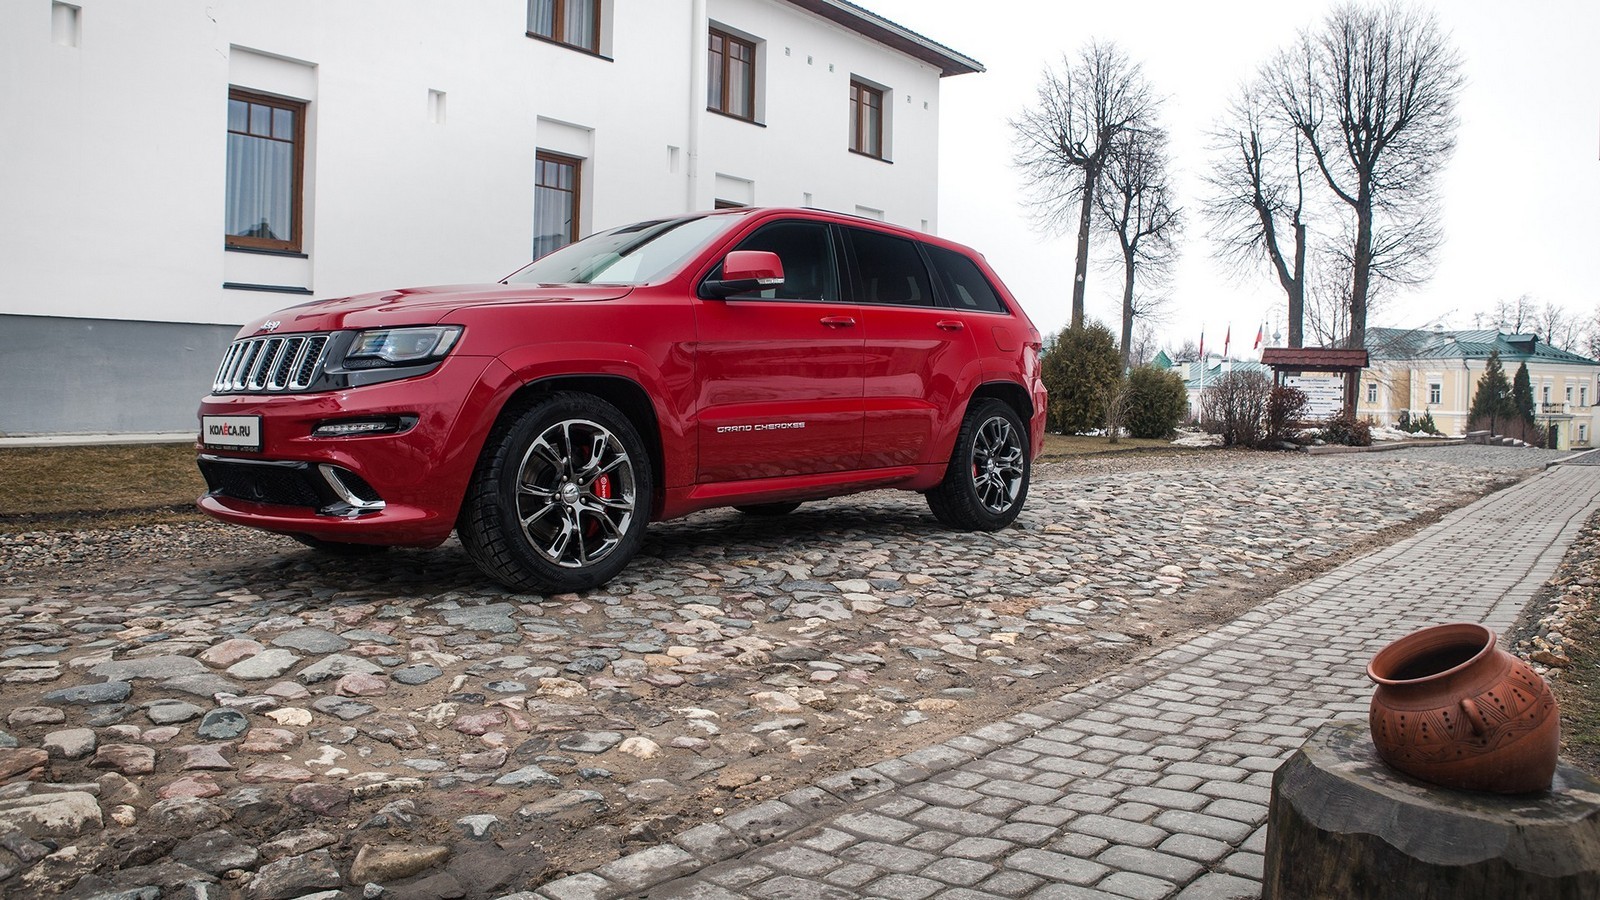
[[951, 324], [838, 321]]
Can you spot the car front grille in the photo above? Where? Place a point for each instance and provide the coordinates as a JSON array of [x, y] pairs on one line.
[[271, 365]]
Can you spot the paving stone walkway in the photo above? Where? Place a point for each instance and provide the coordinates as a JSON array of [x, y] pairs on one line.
[[1152, 783]]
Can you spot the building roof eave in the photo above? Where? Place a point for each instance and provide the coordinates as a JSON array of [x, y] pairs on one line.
[[891, 34]]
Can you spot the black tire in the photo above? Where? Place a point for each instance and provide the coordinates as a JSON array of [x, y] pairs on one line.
[[987, 480], [560, 498], [769, 509], [339, 548]]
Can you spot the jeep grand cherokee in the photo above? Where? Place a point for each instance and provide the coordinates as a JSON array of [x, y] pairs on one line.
[[753, 358]]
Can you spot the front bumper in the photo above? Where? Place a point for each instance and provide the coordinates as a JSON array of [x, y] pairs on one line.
[[401, 489]]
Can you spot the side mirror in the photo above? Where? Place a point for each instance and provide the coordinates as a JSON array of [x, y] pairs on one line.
[[746, 271]]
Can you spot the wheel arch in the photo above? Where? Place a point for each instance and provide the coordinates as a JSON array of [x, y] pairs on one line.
[[1011, 394], [627, 395]]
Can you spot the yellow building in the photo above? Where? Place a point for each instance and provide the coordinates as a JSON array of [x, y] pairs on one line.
[[1437, 372]]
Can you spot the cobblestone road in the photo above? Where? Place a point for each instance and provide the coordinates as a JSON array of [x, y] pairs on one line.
[[215, 713], [1151, 784]]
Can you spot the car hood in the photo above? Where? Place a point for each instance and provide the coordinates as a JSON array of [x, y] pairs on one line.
[[421, 306]]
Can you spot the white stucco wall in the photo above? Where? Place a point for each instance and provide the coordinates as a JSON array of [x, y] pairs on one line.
[[113, 151]]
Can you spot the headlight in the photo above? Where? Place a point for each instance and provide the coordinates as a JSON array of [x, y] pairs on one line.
[[400, 346]]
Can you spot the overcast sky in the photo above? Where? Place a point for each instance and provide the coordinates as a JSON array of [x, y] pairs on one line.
[[1521, 196]]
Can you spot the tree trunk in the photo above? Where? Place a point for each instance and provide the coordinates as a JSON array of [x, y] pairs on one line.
[[1127, 306], [1362, 271], [1297, 290], [1081, 268]]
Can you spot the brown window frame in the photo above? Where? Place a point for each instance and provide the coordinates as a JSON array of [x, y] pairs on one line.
[[558, 26], [720, 104], [860, 91], [298, 190], [561, 159]]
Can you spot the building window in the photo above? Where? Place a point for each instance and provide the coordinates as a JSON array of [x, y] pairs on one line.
[[575, 23], [1583, 396], [866, 119], [1583, 433], [1545, 395], [1435, 392], [266, 158], [555, 202], [1569, 393], [732, 76], [1372, 392]]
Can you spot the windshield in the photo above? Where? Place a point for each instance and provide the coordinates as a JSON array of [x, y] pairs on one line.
[[632, 254]]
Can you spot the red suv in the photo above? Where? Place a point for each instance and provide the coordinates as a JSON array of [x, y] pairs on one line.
[[746, 358]]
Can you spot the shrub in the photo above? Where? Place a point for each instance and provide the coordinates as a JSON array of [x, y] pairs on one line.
[[1425, 425], [1116, 403], [1236, 408], [1348, 431], [1157, 402], [1080, 366], [1285, 406]]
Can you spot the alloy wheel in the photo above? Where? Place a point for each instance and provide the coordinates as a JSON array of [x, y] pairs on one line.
[[575, 493]]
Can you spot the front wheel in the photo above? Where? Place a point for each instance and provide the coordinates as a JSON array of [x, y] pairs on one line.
[[560, 498], [987, 481]]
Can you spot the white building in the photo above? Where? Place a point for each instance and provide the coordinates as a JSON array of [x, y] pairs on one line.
[[169, 170]]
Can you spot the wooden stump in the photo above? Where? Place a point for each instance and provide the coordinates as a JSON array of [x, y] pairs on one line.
[[1343, 824]]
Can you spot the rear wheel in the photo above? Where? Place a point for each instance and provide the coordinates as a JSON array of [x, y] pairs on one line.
[[768, 509], [339, 548], [561, 496], [987, 481]]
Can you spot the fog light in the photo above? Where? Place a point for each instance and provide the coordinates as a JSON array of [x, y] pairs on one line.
[[363, 427]]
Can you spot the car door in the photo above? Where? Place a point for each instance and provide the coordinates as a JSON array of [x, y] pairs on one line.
[[781, 371], [920, 356]]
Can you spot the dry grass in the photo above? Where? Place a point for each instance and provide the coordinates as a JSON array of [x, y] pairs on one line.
[[70, 487]]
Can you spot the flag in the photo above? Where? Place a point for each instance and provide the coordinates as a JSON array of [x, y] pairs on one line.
[[1259, 330], [1226, 337], [1202, 353]]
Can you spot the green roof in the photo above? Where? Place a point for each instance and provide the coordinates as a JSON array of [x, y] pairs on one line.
[[1404, 343]]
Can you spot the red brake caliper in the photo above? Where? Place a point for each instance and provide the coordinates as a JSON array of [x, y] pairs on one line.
[[602, 487]]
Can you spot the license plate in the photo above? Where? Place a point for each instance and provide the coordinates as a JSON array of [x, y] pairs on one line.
[[231, 432]]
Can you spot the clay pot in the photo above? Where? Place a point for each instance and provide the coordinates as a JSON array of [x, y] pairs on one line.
[[1454, 710]]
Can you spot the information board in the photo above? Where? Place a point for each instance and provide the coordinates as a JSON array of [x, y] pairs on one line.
[[1324, 394]]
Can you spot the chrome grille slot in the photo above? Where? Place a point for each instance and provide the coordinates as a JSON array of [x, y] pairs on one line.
[[270, 365]]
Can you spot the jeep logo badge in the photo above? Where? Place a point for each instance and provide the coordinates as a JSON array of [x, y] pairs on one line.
[[269, 325]]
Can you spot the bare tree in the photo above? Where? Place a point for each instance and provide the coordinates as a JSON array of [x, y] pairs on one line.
[[1257, 203], [1064, 142], [1556, 328], [1135, 202], [1515, 316], [1373, 93], [1145, 344]]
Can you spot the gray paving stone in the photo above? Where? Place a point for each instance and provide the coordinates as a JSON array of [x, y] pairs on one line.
[[1139, 887], [903, 887], [853, 875], [1056, 866], [1216, 886], [1161, 865], [788, 887], [1120, 831], [888, 856], [799, 861], [964, 872]]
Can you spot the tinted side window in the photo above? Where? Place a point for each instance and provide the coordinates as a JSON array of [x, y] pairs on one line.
[[963, 282], [889, 270], [807, 256]]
